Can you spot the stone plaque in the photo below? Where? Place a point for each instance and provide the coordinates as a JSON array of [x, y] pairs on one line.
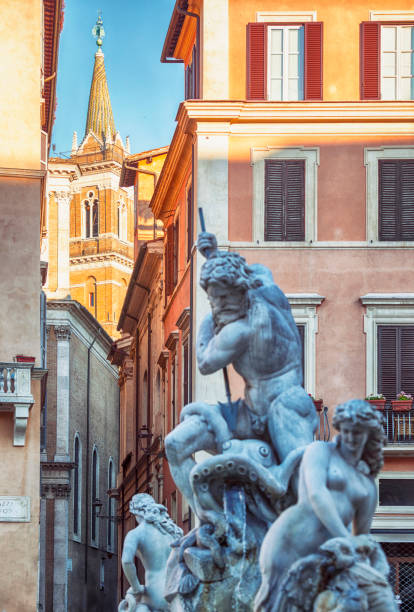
[[14, 509]]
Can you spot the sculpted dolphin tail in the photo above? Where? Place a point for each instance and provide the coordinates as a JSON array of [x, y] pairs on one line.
[[282, 473]]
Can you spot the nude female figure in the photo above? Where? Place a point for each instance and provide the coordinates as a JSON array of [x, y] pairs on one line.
[[336, 490]]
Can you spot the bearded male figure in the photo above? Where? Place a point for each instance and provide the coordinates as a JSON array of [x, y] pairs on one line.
[[251, 327]]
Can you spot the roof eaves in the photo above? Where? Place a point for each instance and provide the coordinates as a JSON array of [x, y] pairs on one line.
[[174, 30]]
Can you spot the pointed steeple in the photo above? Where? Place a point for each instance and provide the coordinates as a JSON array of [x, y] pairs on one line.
[[100, 119]]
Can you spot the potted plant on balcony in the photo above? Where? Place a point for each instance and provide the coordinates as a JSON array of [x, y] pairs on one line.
[[376, 399], [318, 403], [404, 402]]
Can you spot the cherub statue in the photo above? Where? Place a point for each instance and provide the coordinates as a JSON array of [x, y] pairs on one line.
[[151, 542]]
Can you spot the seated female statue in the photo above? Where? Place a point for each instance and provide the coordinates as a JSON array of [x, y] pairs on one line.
[[336, 491]]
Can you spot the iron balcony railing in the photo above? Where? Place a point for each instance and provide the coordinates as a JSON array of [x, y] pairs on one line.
[[399, 426]]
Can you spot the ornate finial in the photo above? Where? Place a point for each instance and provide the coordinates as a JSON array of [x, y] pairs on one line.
[[98, 31]]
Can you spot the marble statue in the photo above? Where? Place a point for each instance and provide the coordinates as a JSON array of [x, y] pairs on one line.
[[151, 542], [336, 489], [257, 442]]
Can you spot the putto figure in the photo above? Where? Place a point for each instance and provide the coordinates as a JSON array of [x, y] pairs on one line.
[[150, 541], [251, 327], [336, 489]]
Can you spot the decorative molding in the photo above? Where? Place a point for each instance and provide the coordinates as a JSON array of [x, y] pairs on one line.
[[55, 490], [21, 417], [305, 299], [285, 16], [172, 340], [183, 320], [126, 371], [386, 299], [163, 359], [391, 15], [22, 173], [62, 332]]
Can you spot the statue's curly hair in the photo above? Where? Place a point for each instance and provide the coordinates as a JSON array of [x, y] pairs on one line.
[[229, 270], [360, 412], [165, 524]]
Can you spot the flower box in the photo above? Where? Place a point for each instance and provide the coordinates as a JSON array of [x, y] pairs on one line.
[[378, 403], [402, 405], [318, 404], [25, 359]]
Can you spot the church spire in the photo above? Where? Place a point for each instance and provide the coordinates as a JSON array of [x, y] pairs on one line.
[[100, 119]]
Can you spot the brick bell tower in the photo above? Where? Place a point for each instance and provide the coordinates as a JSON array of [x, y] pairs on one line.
[[89, 243]]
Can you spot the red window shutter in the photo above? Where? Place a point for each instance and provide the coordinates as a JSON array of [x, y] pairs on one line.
[[313, 60], [388, 362], [370, 60], [256, 61]]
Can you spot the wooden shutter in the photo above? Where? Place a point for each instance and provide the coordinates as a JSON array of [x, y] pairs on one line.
[[396, 199], [395, 360], [256, 61], [406, 198], [284, 199], [169, 260], [388, 201], [175, 253], [387, 362], [370, 60], [313, 60]]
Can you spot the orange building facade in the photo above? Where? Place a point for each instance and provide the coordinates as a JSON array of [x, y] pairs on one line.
[[295, 138]]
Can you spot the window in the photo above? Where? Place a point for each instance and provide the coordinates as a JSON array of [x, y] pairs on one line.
[[192, 77], [171, 258], [185, 373], [396, 199], [95, 498], [77, 487], [122, 221], [397, 46], [395, 360], [91, 294], [284, 194], [189, 221], [91, 299], [90, 214], [387, 70], [284, 61], [303, 308], [284, 200], [174, 398], [110, 533]]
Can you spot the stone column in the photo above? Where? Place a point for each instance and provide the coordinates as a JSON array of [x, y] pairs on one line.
[[60, 572], [63, 222]]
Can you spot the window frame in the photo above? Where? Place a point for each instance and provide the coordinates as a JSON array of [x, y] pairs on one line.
[[285, 61], [77, 473], [371, 157], [111, 511], [398, 475], [394, 309], [94, 494], [398, 75], [311, 157], [303, 307]]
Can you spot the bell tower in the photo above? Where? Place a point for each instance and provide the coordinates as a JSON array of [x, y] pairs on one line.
[[90, 217]]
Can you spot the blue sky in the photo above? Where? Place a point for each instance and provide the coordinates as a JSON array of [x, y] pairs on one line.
[[145, 94]]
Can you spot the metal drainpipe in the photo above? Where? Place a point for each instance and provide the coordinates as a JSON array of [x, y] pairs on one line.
[[190, 356], [87, 458], [137, 390], [197, 17]]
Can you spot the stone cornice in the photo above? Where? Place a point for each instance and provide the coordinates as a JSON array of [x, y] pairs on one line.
[[386, 299], [172, 340], [22, 173], [183, 320], [302, 112], [90, 259]]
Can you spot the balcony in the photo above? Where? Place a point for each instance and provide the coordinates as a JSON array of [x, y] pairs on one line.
[[16, 396], [399, 426]]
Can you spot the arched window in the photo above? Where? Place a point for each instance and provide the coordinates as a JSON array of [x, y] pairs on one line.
[[95, 218], [87, 219], [110, 534], [122, 221], [77, 487], [95, 497]]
